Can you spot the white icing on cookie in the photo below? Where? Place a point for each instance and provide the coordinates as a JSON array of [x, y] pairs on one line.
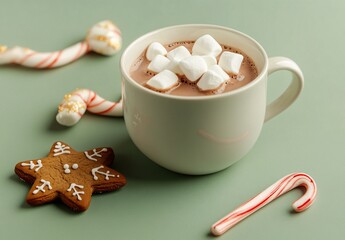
[[95, 154], [41, 187], [61, 149], [106, 174], [75, 191], [68, 170], [32, 165]]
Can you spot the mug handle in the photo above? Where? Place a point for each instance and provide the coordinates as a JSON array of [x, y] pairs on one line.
[[291, 93]]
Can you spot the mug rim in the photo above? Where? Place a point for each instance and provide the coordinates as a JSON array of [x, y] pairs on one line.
[[191, 98]]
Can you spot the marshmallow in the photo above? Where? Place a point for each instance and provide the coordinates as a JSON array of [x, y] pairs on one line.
[[155, 49], [210, 60], [178, 53], [104, 38], [230, 62], [174, 67], [206, 45], [193, 67], [158, 64], [210, 81], [217, 69], [175, 56], [163, 81]]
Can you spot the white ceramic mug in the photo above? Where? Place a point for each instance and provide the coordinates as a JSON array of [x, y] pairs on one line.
[[201, 135]]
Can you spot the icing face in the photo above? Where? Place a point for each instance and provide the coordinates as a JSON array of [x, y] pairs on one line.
[[67, 169]]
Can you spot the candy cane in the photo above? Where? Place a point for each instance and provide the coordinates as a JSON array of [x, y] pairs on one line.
[[277, 189], [103, 38], [76, 103]]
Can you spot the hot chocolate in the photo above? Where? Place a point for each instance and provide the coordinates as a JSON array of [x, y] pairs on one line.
[[248, 72]]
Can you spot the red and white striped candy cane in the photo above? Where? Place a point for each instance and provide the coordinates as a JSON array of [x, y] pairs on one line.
[[76, 103], [103, 38], [277, 189]]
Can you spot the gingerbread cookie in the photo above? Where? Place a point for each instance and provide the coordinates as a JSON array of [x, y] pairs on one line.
[[70, 175]]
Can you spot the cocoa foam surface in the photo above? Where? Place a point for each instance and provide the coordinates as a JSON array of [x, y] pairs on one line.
[[141, 75]]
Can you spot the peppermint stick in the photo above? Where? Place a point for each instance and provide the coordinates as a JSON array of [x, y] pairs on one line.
[[103, 38], [282, 186], [75, 104]]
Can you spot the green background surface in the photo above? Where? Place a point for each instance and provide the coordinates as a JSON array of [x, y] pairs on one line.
[[157, 203]]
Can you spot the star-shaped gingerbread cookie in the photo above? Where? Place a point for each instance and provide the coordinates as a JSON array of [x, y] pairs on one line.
[[70, 175]]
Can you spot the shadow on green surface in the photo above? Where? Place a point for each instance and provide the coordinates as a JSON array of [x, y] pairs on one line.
[[54, 125], [135, 165]]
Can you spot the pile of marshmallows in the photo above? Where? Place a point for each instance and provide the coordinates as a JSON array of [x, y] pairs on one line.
[[200, 67]]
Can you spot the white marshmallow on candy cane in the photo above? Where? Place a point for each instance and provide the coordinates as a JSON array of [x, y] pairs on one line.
[[76, 103], [103, 38], [282, 186]]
